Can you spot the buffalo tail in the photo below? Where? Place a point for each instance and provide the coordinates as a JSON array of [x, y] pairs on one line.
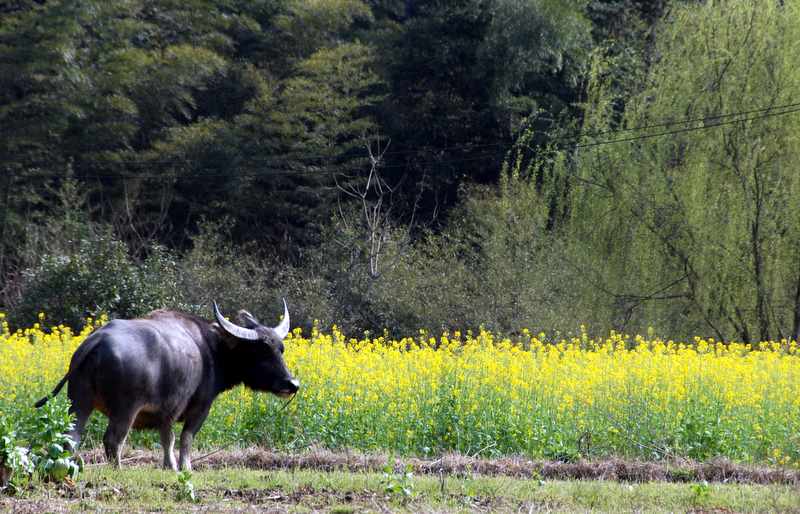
[[53, 393]]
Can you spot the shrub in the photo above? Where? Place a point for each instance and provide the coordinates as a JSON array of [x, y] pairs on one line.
[[498, 265], [236, 277], [97, 276], [50, 446]]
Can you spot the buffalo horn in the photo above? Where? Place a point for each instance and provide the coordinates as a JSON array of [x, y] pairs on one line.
[[233, 329], [283, 329]]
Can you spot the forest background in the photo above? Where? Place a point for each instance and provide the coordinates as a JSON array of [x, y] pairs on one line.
[[541, 164]]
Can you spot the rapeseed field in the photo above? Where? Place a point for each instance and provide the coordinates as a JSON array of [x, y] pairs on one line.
[[480, 394]]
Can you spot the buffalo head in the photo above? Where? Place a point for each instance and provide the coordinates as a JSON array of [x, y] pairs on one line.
[[258, 352]]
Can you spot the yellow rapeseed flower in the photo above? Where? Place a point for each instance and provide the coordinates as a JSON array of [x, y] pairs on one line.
[[459, 389]]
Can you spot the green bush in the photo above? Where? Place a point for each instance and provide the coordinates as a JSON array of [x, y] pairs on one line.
[[237, 277], [498, 265], [97, 276]]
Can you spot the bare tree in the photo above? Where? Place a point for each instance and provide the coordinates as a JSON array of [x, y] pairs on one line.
[[374, 197], [142, 212]]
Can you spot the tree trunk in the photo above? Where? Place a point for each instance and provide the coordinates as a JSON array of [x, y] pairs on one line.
[[758, 265], [4, 208], [796, 331]]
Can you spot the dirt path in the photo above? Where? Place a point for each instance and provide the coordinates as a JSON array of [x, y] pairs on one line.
[[719, 470], [318, 480]]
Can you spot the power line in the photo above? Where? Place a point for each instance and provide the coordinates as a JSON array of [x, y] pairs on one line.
[[683, 121], [299, 157], [286, 159], [254, 171], [689, 129]]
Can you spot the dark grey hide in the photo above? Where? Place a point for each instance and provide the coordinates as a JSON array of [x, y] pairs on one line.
[[168, 367]]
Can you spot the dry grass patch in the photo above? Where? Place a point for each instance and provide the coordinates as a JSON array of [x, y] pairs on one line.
[[319, 459]]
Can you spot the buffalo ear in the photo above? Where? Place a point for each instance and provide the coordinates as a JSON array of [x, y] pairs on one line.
[[246, 319]]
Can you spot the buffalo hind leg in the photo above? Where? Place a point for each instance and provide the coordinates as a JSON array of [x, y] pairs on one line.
[[81, 417], [118, 427], [168, 444], [81, 406]]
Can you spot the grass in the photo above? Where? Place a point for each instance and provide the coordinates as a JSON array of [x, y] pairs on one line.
[[144, 488]]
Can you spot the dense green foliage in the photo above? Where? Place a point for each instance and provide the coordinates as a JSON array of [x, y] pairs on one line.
[[700, 234], [512, 163], [36, 446]]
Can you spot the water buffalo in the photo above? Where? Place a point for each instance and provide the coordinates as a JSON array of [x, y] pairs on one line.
[[167, 367]]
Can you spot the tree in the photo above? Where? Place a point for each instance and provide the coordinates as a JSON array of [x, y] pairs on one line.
[[464, 78], [315, 130], [96, 87], [41, 84], [686, 225]]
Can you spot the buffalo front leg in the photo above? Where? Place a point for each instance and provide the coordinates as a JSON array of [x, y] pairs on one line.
[[186, 448], [190, 428], [168, 444]]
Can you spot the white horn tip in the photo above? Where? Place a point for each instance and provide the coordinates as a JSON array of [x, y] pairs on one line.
[[284, 326]]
